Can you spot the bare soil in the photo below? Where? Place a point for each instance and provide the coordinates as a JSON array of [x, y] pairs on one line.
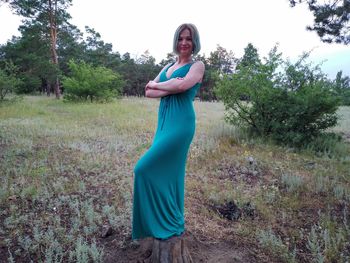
[[201, 251]]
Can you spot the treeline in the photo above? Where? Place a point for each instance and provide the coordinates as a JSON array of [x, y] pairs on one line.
[[38, 61], [30, 56], [50, 50], [28, 59]]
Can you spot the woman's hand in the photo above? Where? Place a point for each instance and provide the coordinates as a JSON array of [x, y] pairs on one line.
[[152, 92], [151, 85]]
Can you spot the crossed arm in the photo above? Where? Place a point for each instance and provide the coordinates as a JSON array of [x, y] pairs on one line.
[[156, 89]]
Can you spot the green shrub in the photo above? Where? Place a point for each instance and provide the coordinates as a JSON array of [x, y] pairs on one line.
[[91, 83], [8, 81], [30, 84], [292, 106]]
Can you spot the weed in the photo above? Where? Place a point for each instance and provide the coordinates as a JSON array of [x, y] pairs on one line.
[[274, 244], [292, 182]]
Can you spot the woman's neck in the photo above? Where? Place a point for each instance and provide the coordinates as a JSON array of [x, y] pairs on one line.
[[184, 60]]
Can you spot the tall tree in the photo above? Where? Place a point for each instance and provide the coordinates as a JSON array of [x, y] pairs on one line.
[[342, 88], [170, 58], [50, 14], [331, 19], [147, 70], [250, 58], [99, 53], [219, 63], [30, 53], [221, 60], [70, 45]]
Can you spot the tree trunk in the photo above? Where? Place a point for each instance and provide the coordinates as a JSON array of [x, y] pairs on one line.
[[48, 88], [53, 37], [57, 88], [172, 250]]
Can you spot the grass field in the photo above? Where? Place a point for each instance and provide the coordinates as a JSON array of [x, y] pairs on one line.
[[66, 172]]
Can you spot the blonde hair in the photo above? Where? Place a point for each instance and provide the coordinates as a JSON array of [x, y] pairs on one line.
[[194, 34]]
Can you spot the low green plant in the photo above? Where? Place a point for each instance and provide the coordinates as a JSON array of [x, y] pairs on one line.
[[313, 244], [110, 213], [292, 182], [328, 241], [274, 244], [9, 83], [87, 82], [329, 145], [340, 192], [321, 184], [84, 252], [10, 258]]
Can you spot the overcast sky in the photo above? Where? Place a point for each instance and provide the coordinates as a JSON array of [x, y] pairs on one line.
[[135, 26]]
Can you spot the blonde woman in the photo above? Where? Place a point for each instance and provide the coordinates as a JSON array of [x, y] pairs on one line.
[[159, 182]]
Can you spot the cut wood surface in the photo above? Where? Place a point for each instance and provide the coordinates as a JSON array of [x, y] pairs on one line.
[[172, 250]]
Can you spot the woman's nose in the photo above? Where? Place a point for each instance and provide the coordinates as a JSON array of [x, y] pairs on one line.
[[184, 41]]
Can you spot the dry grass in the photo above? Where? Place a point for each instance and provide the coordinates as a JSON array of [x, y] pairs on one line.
[[66, 170]]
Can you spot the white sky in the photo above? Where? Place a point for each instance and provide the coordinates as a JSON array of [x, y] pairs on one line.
[[135, 26]]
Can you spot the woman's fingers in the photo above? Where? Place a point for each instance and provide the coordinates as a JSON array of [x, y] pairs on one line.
[[147, 86], [151, 84]]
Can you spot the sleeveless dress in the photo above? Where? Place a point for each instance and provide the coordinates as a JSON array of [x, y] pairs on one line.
[[159, 175]]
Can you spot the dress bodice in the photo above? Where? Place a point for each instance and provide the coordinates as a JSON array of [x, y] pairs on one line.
[[180, 73]]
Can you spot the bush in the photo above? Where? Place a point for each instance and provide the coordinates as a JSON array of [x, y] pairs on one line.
[[8, 81], [30, 85], [91, 83], [292, 106]]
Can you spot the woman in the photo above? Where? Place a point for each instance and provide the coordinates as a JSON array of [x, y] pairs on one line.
[[158, 203]]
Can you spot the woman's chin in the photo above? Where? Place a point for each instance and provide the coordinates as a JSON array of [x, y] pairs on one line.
[[185, 54]]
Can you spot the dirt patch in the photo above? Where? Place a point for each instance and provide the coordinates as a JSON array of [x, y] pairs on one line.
[[201, 251], [231, 211], [252, 173]]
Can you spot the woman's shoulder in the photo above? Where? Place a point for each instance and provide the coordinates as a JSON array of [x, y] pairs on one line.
[[198, 65]]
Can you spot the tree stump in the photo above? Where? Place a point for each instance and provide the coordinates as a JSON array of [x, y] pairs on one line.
[[172, 250]]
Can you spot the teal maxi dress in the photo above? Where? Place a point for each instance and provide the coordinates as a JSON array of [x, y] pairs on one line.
[[159, 175]]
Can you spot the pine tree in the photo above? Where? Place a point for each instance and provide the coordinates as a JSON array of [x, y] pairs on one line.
[[331, 19]]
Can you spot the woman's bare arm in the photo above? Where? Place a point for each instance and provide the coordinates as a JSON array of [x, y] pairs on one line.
[[156, 93], [177, 85]]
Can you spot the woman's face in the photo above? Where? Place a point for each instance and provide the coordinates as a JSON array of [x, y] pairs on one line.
[[184, 43]]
